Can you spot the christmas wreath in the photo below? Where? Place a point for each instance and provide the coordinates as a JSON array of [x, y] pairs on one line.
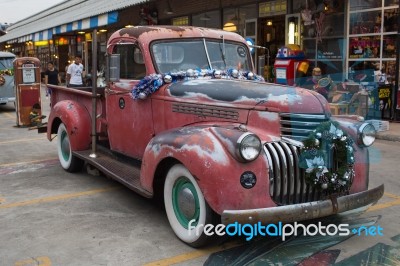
[[328, 157], [7, 72], [153, 82]]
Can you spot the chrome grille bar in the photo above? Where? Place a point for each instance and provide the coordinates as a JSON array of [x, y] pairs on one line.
[[287, 179], [304, 116], [275, 163], [300, 123], [290, 173], [299, 126], [284, 175]]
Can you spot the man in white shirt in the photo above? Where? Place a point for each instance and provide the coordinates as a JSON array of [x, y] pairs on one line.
[[75, 73]]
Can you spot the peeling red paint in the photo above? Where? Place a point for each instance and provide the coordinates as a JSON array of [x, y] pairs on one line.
[[195, 123]]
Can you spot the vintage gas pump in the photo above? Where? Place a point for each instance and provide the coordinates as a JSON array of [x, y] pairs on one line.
[[290, 65], [27, 85]]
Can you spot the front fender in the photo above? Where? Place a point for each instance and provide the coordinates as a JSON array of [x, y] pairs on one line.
[[361, 165], [211, 160], [76, 119]]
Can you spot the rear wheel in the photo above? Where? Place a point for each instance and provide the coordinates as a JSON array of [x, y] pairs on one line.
[[186, 208], [68, 161]]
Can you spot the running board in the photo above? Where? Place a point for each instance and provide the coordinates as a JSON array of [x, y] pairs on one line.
[[126, 174]]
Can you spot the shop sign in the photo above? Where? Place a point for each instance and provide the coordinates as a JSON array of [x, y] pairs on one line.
[[41, 43], [329, 55], [330, 49], [272, 8]]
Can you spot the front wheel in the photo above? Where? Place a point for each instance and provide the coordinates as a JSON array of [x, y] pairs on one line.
[[186, 208], [68, 161]]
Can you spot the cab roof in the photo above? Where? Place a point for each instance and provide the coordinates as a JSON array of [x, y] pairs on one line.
[[7, 54], [146, 34]]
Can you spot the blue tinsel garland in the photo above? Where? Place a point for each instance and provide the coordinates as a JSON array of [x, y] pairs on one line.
[[153, 82]]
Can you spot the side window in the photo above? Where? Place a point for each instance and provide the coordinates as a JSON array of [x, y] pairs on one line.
[[131, 61]]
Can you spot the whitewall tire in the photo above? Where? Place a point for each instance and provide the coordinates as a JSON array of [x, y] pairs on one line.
[[185, 202], [68, 161]]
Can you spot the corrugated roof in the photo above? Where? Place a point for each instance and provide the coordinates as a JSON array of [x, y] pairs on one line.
[[63, 13]]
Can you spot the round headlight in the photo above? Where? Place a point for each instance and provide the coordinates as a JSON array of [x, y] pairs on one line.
[[248, 146], [367, 134]]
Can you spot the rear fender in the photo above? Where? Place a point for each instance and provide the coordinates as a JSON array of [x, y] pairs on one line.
[[209, 154], [76, 119]]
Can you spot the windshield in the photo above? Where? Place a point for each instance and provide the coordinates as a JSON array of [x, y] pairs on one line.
[[6, 63], [175, 56]]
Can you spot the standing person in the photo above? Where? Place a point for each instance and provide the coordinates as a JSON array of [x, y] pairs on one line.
[[51, 76], [75, 73]]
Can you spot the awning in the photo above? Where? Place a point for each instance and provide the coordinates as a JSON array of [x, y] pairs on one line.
[[89, 23], [68, 16]]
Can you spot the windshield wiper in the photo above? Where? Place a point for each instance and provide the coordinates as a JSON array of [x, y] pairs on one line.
[[222, 50], [208, 56]]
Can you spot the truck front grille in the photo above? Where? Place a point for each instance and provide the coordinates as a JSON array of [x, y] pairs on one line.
[[299, 126], [286, 179]]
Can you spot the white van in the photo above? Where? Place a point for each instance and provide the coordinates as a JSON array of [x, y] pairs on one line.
[[7, 91]]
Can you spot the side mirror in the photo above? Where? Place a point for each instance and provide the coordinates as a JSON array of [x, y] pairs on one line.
[[113, 67]]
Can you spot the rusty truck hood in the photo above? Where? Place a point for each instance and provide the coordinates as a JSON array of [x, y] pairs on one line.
[[249, 94]]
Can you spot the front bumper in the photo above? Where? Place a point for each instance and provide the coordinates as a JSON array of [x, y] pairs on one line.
[[304, 211]]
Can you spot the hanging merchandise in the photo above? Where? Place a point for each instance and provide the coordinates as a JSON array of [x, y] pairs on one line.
[[319, 22], [148, 17], [306, 15]]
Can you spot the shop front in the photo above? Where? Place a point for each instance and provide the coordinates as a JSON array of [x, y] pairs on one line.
[[354, 44]]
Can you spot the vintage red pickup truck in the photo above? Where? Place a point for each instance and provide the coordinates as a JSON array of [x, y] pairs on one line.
[[183, 117]]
